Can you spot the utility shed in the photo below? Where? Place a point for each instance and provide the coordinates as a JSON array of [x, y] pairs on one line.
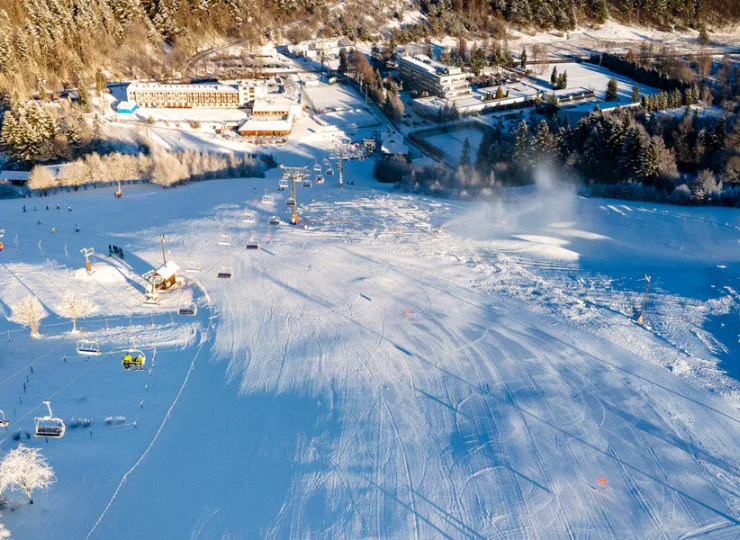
[[165, 276]]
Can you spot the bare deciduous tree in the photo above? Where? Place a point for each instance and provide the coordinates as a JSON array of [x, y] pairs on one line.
[[75, 308], [27, 470], [28, 312]]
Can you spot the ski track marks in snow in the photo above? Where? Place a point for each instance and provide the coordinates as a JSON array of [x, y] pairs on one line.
[[477, 415]]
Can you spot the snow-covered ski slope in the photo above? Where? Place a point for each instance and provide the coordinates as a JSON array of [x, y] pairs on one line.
[[370, 376]]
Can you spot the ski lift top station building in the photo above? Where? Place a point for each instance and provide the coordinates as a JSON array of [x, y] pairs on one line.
[[165, 276]]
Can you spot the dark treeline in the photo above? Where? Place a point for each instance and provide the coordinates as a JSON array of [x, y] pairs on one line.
[[681, 158]]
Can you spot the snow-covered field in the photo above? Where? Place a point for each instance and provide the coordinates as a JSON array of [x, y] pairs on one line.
[[371, 375], [452, 143], [594, 78]]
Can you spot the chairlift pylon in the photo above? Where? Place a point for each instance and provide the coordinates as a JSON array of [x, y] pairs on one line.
[[48, 426], [87, 348]]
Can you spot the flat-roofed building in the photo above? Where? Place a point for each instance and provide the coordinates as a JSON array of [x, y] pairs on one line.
[[183, 96], [255, 127], [250, 90], [423, 74], [272, 108]]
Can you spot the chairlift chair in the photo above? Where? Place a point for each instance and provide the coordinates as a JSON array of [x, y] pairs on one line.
[[133, 358], [274, 220], [224, 239], [187, 309], [282, 184], [307, 182], [3, 422], [48, 426], [225, 272], [290, 201], [268, 199], [88, 348], [330, 172], [316, 166], [253, 243], [249, 217], [191, 266], [319, 179]]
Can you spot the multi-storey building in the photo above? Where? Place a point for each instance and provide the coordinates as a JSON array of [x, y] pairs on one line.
[[211, 96], [179, 96], [423, 74], [251, 90]]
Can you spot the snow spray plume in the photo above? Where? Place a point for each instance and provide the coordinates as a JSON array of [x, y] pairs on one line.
[[522, 210]]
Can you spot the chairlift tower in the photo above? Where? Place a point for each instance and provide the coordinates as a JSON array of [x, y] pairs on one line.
[[296, 175], [340, 147], [87, 252]]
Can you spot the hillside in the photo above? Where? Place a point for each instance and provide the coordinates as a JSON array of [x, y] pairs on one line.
[[62, 43]]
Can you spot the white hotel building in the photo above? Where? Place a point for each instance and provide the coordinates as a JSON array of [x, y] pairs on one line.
[[423, 74], [188, 96]]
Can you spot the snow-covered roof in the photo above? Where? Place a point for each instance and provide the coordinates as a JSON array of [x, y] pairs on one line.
[[166, 271], [159, 87], [271, 106], [392, 143], [320, 44], [255, 124], [14, 176], [422, 62]]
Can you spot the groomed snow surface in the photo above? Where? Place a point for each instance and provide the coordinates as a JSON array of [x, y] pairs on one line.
[[372, 376]]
